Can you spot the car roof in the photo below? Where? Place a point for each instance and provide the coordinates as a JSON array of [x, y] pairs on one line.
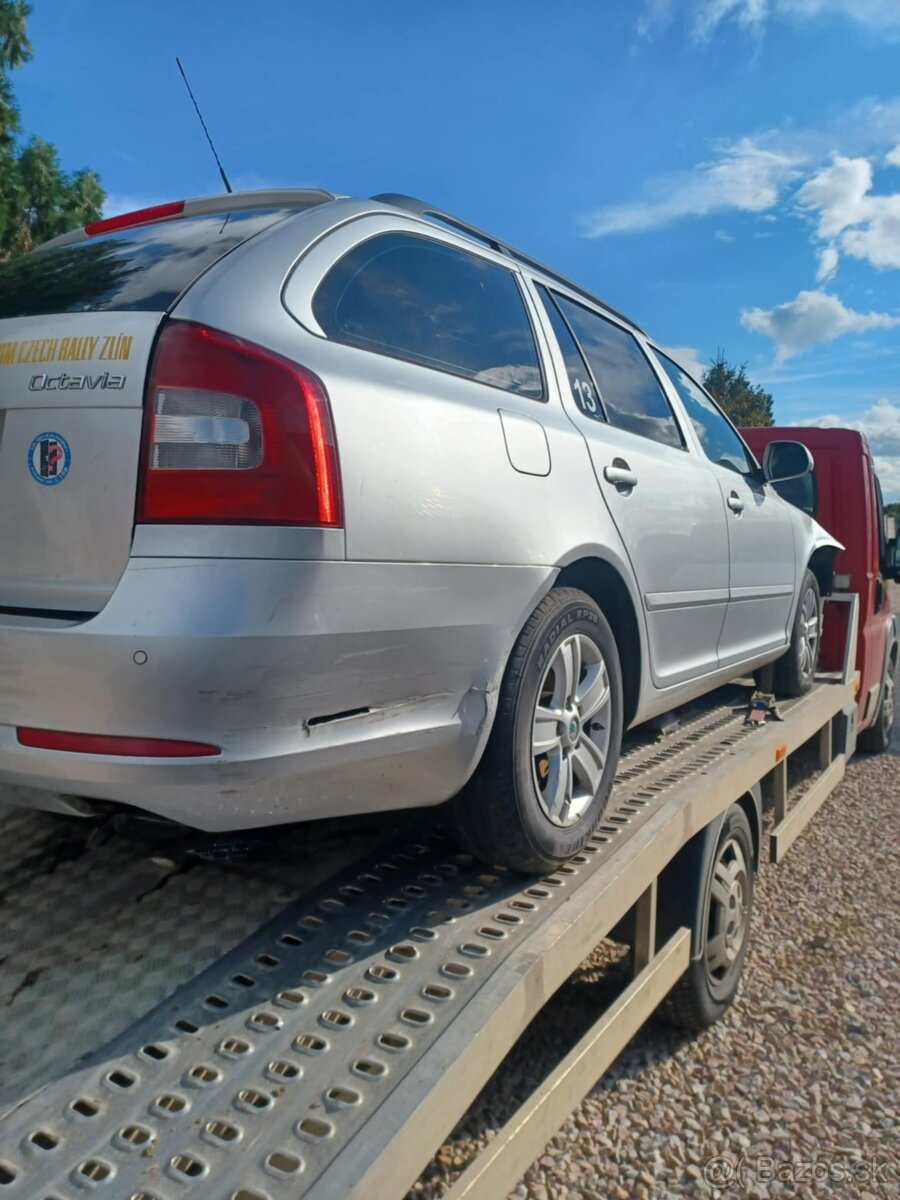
[[306, 198]]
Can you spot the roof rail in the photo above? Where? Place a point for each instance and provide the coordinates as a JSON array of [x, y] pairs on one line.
[[420, 208]]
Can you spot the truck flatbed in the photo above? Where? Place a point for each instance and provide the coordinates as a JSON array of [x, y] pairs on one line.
[[311, 1015]]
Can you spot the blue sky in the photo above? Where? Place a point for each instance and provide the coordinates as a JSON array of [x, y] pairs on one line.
[[725, 171]]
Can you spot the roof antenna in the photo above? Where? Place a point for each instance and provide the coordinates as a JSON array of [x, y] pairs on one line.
[[228, 187]]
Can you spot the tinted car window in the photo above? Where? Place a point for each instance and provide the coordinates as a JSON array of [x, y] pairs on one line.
[[134, 270], [799, 492], [629, 390], [429, 303], [720, 442], [583, 391]]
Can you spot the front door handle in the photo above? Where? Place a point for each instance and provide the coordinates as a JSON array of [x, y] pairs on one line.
[[735, 503], [620, 474]]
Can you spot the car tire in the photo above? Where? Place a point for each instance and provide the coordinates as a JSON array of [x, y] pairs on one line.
[[796, 669], [544, 781], [708, 987], [877, 738]]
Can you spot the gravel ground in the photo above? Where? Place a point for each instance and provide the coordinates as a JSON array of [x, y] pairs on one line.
[[797, 1089]]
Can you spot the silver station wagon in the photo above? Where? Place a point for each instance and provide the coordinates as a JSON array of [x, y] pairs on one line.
[[312, 505]]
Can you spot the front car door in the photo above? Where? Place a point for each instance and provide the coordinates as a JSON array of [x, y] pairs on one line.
[[763, 578], [663, 498]]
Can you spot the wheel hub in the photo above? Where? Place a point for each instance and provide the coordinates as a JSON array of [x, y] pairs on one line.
[[572, 729]]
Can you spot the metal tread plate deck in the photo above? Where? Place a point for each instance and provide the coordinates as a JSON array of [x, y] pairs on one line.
[[101, 921], [275, 1072]]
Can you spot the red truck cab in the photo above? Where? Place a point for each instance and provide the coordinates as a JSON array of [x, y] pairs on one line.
[[844, 495]]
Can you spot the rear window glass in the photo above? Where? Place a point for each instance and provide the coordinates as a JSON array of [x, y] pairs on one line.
[[134, 270], [412, 298]]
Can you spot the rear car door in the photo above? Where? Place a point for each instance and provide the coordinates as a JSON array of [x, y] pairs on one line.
[[665, 500], [763, 575]]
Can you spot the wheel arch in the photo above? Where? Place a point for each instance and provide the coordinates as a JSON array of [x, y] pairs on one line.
[[821, 563], [605, 584]]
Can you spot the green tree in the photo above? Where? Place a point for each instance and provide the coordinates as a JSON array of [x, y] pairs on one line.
[[38, 200], [744, 402]]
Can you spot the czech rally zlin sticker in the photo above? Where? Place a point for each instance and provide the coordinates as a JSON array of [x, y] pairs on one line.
[[49, 458]]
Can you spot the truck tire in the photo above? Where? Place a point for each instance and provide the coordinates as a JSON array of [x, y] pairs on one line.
[[544, 780], [796, 669], [722, 928], [877, 738]]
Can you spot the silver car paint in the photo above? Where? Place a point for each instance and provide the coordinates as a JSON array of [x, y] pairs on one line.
[[462, 504], [262, 658], [66, 546]]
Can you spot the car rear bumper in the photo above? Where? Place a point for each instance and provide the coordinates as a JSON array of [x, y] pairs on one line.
[[331, 687]]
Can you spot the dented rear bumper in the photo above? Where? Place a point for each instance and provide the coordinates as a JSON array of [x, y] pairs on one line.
[[331, 687]]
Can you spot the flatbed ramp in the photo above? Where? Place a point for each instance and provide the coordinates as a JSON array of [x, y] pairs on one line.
[[332, 1050]]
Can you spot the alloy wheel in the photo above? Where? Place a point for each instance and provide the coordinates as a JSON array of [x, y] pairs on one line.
[[571, 730], [809, 632]]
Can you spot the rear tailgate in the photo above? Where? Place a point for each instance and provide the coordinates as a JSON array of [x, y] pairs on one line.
[[77, 327], [71, 393]]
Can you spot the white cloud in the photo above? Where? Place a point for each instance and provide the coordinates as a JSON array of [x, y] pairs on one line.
[[744, 175], [881, 425], [828, 263], [722, 236], [838, 194], [878, 240], [892, 158], [866, 224], [706, 16], [749, 13], [808, 320], [888, 472], [754, 173], [687, 357]]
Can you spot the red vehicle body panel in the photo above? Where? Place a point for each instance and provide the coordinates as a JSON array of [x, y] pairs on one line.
[[847, 506]]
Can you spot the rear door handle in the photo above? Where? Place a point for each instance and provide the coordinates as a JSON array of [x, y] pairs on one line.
[[620, 474], [735, 503]]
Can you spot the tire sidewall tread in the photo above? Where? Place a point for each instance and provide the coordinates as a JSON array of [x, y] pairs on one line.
[[497, 816]]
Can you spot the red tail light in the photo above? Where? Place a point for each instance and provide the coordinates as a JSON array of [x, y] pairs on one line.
[[234, 434]]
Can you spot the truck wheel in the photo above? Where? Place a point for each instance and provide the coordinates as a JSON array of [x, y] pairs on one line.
[[545, 778], [710, 984], [796, 669], [877, 738]]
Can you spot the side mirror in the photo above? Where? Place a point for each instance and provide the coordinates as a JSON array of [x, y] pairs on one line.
[[786, 460], [892, 561]]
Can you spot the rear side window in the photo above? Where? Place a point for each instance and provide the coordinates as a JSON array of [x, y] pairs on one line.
[[584, 393], [134, 270], [429, 303], [629, 390], [721, 444]]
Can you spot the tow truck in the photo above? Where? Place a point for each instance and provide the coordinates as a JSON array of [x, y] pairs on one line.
[[844, 494], [311, 1016]]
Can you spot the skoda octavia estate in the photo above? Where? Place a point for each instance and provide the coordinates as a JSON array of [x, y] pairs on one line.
[[312, 505]]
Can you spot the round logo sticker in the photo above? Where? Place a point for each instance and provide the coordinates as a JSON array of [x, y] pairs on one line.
[[49, 458]]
